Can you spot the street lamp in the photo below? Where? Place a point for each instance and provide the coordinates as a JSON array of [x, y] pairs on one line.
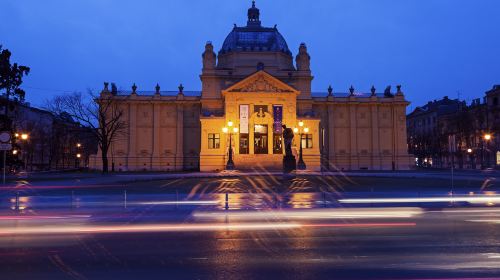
[[230, 130], [78, 145], [469, 151], [487, 138], [24, 137], [301, 165]]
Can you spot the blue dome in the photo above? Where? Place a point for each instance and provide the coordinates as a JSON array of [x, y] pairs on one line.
[[254, 38]]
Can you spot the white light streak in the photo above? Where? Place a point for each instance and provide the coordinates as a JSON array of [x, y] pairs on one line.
[[183, 202], [450, 199], [90, 229], [353, 213]]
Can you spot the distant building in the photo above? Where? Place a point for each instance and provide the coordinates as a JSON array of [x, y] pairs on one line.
[[425, 129], [52, 143], [446, 132], [254, 84]]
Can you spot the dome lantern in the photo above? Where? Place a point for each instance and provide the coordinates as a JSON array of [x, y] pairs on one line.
[[253, 16]]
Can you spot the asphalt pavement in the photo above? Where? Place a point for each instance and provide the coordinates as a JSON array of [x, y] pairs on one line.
[[297, 236]]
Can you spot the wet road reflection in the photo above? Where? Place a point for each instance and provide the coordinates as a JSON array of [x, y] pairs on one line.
[[244, 228]]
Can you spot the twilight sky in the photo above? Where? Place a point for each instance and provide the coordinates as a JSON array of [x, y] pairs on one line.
[[432, 47]]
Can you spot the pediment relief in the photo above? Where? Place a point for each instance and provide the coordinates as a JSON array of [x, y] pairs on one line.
[[260, 85], [261, 82]]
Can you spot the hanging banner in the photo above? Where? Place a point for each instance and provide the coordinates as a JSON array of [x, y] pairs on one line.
[[244, 118], [278, 118]]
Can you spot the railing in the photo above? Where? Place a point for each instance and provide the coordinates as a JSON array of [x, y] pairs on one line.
[[234, 201]]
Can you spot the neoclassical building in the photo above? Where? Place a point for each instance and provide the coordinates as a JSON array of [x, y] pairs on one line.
[[253, 84]]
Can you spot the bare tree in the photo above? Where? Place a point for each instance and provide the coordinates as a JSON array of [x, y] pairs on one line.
[[101, 113]]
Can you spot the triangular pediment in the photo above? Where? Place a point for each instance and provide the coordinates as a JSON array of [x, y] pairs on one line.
[[261, 81]]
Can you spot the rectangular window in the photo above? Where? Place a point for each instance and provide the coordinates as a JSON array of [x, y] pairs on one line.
[[244, 143], [260, 139], [277, 144], [213, 140], [307, 141]]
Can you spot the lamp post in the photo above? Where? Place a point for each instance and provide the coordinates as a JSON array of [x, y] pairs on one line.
[[301, 165], [77, 160], [24, 137], [487, 138], [230, 129], [79, 155]]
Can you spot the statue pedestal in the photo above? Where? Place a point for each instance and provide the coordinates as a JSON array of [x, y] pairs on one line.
[[289, 164]]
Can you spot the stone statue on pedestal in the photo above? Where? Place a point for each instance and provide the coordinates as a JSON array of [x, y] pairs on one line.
[[289, 163], [288, 137]]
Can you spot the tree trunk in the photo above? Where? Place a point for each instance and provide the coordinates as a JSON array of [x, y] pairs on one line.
[[105, 160]]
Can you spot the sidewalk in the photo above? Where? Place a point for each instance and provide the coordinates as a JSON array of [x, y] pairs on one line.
[[82, 179]]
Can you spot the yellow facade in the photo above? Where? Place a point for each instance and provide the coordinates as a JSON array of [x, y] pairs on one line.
[[257, 90], [254, 71]]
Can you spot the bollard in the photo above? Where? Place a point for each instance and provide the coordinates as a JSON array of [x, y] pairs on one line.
[[17, 200], [227, 201], [125, 199]]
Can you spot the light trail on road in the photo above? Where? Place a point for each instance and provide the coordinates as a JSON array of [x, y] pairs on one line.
[[155, 228], [337, 213], [489, 199], [144, 228]]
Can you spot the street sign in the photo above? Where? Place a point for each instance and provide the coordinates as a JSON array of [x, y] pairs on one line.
[[4, 137], [5, 146]]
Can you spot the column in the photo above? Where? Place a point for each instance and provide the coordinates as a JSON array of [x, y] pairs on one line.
[[251, 150], [270, 136]]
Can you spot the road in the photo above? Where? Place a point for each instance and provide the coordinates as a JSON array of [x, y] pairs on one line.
[[294, 236]]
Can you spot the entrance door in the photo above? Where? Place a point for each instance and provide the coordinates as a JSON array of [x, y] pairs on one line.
[[260, 139]]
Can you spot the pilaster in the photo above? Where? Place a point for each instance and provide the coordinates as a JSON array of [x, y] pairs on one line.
[[132, 139], [331, 135], [354, 161], [179, 154], [375, 137], [156, 162]]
